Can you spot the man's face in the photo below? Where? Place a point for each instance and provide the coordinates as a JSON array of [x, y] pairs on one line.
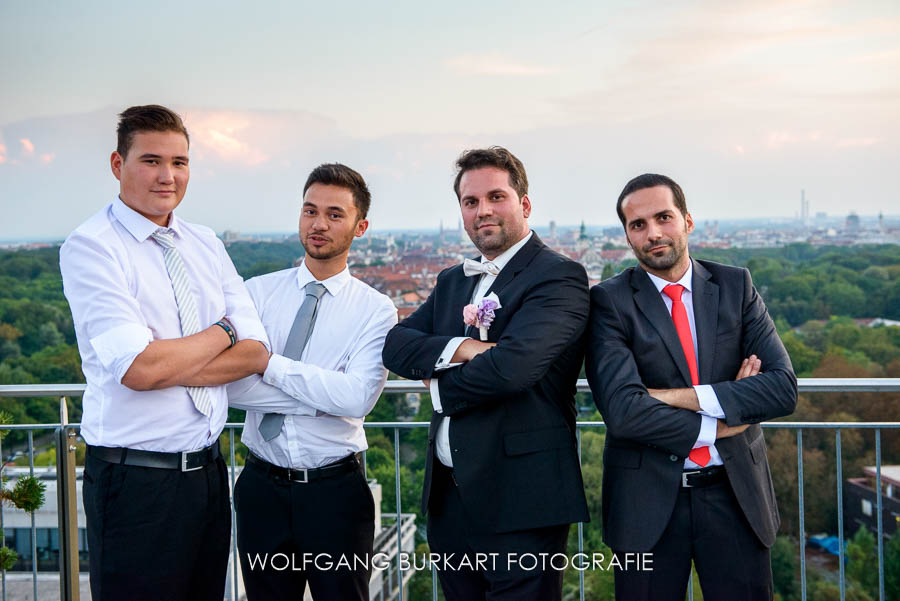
[[328, 222], [657, 231], [154, 176], [493, 215]]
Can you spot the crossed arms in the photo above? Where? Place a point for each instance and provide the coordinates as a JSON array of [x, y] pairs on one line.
[[668, 419], [550, 318]]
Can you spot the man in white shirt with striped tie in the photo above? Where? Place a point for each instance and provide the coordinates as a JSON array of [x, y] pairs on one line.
[[163, 320], [302, 494]]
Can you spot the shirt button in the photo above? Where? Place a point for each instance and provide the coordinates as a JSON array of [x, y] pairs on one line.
[[673, 457]]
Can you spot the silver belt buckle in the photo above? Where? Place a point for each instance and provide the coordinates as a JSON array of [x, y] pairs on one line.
[[684, 475], [300, 471], [184, 460]]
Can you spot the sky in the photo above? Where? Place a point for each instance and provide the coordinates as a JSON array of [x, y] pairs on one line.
[[744, 103]]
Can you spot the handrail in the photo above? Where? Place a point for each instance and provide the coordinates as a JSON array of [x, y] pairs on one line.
[[401, 386]]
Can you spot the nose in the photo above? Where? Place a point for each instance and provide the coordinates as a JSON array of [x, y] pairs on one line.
[[319, 223], [653, 232], [165, 174], [485, 209]]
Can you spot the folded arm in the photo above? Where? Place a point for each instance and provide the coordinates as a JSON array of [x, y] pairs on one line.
[[773, 392], [549, 321], [628, 409]]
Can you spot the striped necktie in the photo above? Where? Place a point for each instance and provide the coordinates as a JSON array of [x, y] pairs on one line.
[[271, 423], [187, 307]]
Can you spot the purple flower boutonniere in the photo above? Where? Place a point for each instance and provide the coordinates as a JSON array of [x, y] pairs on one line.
[[481, 315]]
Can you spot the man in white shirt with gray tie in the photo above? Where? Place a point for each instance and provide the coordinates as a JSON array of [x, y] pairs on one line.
[[302, 492], [163, 321]]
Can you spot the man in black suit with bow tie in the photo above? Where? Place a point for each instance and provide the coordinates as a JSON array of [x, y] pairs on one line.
[[684, 363], [502, 473]]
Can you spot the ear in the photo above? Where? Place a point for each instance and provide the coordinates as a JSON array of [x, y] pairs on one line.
[[361, 226], [526, 206], [688, 223], [115, 163]]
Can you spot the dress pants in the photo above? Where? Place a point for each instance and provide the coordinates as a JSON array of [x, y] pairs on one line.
[[157, 533], [320, 521], [513, 575], [708, 527]]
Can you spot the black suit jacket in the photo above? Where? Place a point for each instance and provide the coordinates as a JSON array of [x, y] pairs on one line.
[[512, 432], [634, 346]]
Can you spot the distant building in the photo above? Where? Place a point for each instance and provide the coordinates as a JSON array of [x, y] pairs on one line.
[[861, 503]]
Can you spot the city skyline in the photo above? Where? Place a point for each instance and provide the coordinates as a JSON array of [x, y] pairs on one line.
[[744, 104]]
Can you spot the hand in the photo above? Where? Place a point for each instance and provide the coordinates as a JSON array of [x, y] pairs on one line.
[[470, 349], [749, 367], [723, 430], [427, 383]]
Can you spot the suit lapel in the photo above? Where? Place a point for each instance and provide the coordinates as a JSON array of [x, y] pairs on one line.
[[651, 304], [519, 262], [463, 287], [706, 319]]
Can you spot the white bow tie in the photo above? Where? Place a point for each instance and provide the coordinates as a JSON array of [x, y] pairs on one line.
[[471, 267]]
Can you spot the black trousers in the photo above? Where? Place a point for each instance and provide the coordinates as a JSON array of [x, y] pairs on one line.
[[708, 527], [293, 533], [157, 533], [515, 566]]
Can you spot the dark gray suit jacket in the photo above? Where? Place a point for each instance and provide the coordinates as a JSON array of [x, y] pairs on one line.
[[633, 346], [512, 408]]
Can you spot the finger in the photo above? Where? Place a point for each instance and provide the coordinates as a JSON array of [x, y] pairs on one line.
[[742, 372]]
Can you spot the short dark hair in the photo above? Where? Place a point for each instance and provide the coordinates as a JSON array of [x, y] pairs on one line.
[[651, 180], [336, 174], [495, 156], [150, 117]]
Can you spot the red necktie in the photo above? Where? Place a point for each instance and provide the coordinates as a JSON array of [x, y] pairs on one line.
[[700, 455]]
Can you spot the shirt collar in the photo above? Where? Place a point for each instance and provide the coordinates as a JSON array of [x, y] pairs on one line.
[[333, 285], [507, 255], [684, 281], [137, 225]]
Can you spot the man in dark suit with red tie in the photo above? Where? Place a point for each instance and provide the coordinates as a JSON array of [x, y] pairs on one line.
[[502, 475], [684, 362]]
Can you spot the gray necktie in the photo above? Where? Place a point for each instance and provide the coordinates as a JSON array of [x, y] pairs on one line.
[[270, 424], [187, 307]]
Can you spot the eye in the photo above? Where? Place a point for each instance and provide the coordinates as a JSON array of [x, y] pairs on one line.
[[335, 215], [665, 217]]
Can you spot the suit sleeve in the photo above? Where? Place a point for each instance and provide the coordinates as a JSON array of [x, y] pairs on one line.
[[550, 319], [773, 392], [629, 412], [411, 348]]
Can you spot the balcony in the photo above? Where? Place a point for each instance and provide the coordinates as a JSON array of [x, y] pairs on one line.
[[57, 559]]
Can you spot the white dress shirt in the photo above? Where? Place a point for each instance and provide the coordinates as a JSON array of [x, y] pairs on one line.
[[117, 285], [442, 438], [327, 394], [710, 409]]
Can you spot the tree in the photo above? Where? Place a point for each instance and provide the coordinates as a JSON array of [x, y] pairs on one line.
[[862, 561]]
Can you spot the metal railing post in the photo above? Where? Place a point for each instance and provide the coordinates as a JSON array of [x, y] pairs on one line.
[[580, 525], [840, 501], [34, 569], [67, 513], [880, 515], [802, 515], [234, 549], [399, 517]]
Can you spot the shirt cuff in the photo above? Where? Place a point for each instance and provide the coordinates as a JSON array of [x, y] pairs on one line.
[[708, 428], [250, 329], [443, 361], [435, 396], [709, 402], [117, 347], [276, 370]]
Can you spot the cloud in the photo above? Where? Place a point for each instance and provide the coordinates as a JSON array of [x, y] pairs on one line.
[[856, 142], [2, 153], [27, 147], [493, 64], [47, 157]]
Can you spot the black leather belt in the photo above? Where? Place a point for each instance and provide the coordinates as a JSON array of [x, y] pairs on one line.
[[186, 461], [341, 466], [704, 477]]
